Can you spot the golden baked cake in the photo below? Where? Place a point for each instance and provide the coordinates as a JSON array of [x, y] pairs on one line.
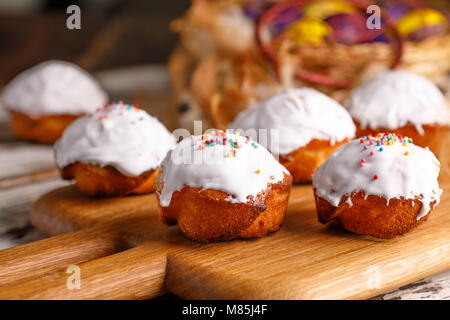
[[45, 99], [303, 126], [404, 103], [222, 186], [380, 185], [115, 151]]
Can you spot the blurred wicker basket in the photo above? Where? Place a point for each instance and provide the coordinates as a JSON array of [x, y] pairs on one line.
[[220, 74], [430, 58]]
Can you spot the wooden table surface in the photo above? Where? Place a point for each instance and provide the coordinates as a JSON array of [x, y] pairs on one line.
[[18, 159]]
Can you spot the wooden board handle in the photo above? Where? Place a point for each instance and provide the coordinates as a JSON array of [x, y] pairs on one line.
[[115, 261], [137, 273], [51, 254]]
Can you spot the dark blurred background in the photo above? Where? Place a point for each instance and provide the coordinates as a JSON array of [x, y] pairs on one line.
[[114, 33]]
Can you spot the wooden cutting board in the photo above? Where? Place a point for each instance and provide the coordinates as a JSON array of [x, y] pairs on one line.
[[124, 252]]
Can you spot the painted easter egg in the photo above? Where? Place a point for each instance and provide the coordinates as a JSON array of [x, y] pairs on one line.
[[327, 8], [285, 18], [396, 10], [419, 24], [308, 30], [351, 28]]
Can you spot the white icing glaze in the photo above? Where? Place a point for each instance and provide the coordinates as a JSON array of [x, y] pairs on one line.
[[121, 136], [399, 176], [53, 87], [398, 98], [299, 115], [211, 168]]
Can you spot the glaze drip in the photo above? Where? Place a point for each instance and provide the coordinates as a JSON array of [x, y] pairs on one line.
[[299, 116], [221, 161], [386, 165], [119, 135]]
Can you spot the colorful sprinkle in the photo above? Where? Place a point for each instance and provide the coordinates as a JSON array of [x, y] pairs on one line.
[[219, 137]]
